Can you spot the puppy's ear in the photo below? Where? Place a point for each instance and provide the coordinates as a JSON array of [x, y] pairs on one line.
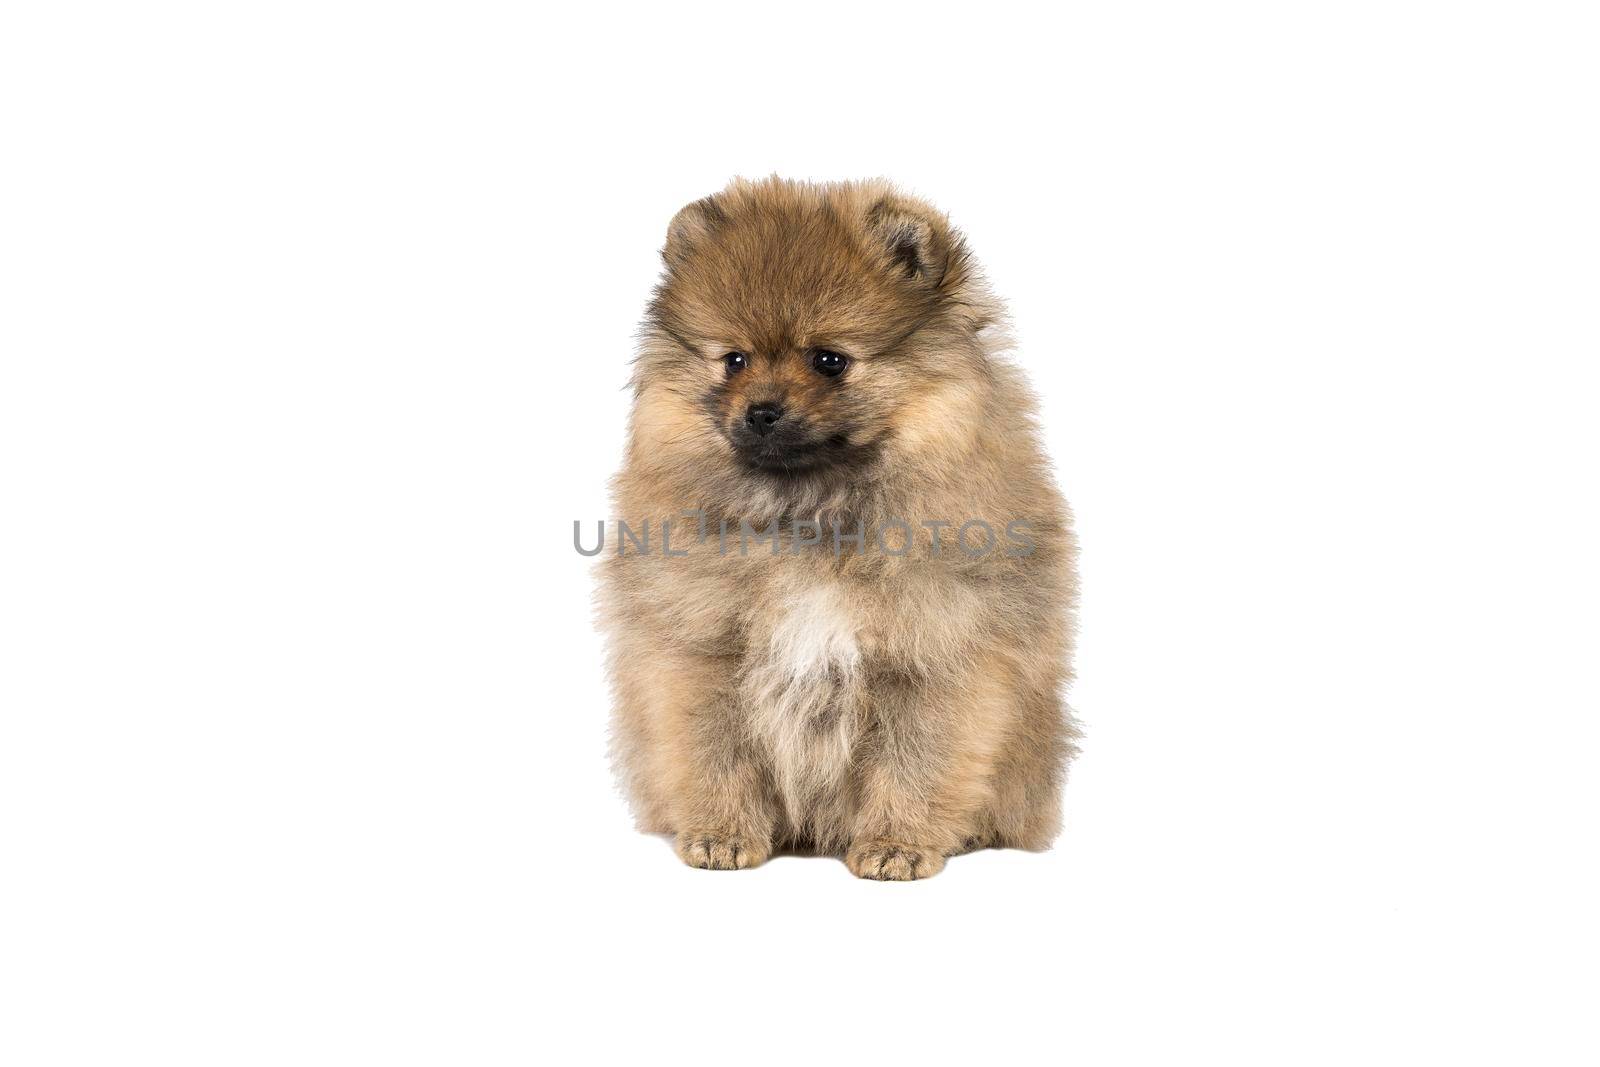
[[916, 239], [691, 225]]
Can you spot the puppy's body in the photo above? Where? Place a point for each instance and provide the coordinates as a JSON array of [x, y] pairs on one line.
[[825, 355]]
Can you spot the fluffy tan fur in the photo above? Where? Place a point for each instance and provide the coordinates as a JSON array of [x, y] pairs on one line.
[[840, 697]]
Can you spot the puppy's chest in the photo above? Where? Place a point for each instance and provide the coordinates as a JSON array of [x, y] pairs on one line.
[[810, 633], [803, 665]]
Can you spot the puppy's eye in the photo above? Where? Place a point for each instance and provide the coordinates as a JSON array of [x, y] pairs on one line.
[[735, 362], [828, 363]]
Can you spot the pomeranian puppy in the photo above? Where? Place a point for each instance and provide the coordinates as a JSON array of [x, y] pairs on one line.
[[839, 603]]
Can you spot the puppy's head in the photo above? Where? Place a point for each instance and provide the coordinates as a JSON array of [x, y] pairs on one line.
[[801, 329]]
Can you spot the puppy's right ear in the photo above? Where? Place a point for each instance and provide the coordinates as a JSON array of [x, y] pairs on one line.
[[917, 239], [690, 226]]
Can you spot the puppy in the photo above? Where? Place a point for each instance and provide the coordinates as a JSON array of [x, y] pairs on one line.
[[839, 603]]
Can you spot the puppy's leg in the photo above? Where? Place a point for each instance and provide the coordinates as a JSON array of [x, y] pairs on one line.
[[721, 809], [925, 770], [1026, 808]]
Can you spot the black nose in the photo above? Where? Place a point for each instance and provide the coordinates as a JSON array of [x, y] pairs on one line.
[[763, 417]]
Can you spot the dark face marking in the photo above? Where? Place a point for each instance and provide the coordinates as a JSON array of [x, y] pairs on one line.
[[791, 414]]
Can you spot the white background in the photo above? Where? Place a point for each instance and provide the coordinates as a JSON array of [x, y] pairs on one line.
[[316, 320]]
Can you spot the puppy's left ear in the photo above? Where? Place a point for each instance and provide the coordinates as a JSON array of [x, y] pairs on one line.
[[917, 240]]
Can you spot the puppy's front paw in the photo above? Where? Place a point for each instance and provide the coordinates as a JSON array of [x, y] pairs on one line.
[[892, 861], [721, 852]]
